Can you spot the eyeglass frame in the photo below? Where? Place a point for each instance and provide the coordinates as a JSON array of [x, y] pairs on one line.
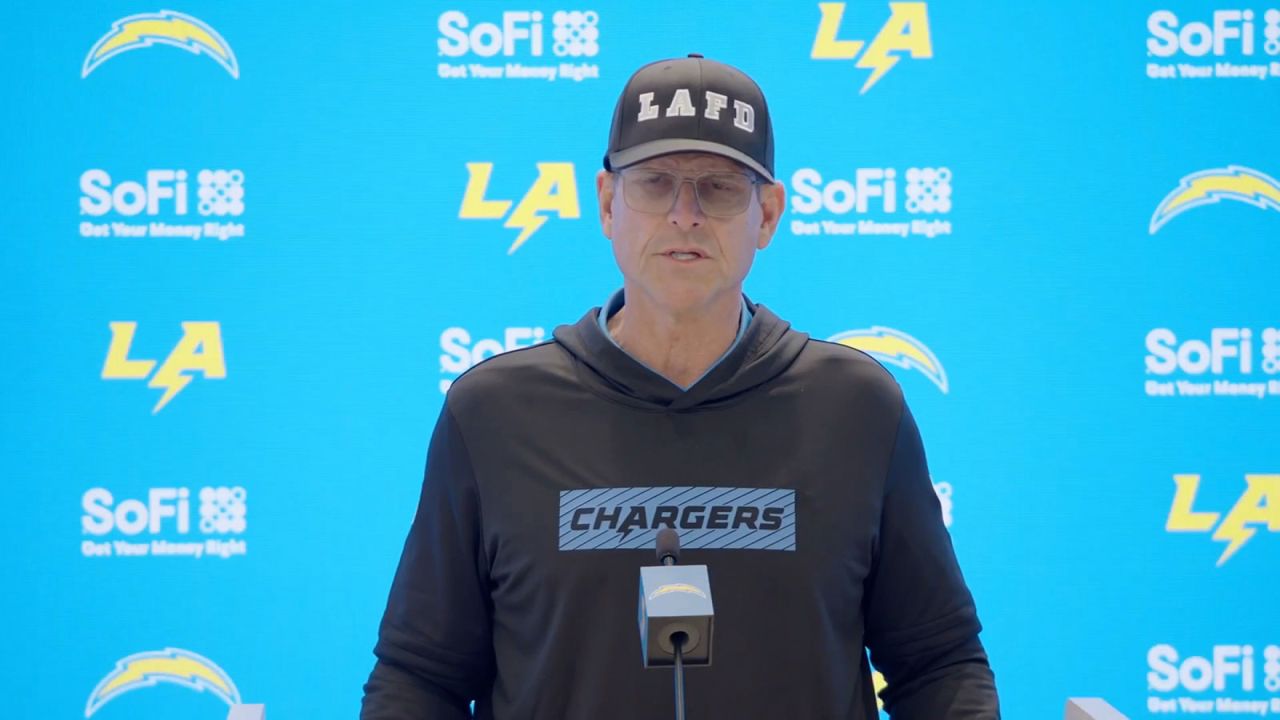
[[752, 176]]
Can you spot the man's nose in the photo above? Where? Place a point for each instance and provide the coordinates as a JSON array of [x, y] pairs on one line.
[[685, 213]]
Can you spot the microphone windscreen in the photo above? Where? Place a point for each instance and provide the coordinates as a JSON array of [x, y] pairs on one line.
[[668, 545]]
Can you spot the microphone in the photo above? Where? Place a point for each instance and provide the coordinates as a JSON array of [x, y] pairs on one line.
[[668, 547], [676, 613]]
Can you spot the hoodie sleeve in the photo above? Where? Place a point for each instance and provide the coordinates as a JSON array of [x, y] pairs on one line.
[[922, 628], [434, 650]]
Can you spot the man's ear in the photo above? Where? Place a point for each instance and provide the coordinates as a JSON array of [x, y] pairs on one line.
[[606, 183], [773, 200]]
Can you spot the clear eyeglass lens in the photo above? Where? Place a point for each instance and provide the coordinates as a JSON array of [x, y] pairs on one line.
[[654, 191]]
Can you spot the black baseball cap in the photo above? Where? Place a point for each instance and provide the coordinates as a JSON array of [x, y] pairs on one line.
[[691, 104]]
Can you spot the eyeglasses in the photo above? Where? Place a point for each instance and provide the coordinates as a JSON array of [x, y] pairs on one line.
[[719, 194]]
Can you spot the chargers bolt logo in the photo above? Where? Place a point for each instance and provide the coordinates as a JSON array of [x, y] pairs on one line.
[[171, 665], [897, 348], [1233, 182], [677, 588], [164, 28]]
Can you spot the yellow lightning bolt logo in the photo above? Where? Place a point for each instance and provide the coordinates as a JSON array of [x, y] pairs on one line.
[[677, 588], [199, 349], [172, 380], [1235, 535], [897, 348], [555, 190], [162, 28], [526, 218], [171, 665], [878, 60], [1258, 505], [1233, 182], [907, 30]]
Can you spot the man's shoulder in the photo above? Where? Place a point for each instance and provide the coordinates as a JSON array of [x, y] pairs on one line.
[[842, 369], [511, 374]]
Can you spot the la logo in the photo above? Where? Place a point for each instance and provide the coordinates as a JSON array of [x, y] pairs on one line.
[[200, 349], [554, 191]]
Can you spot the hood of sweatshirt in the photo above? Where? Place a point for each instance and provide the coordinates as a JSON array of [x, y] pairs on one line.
[[765, 352]]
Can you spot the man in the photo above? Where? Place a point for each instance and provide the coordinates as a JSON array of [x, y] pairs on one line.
[[791, 467]]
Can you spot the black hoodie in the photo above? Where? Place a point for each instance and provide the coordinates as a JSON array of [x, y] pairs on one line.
[[793, 470]]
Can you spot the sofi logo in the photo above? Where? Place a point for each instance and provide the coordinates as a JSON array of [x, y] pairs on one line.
[[460, 350], [870, 201], [1224, 350], [1241, 362], [574, 34], [219, 192], [1222, 33], [161, 523], [159, 202], [1222, 45], [554, 191], [198, 350], [221, 511], [1258, 508], [1223, 668], [905, 33], [514, 46]]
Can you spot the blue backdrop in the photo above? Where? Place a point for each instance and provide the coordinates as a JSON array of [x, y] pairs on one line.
[[239, 270]]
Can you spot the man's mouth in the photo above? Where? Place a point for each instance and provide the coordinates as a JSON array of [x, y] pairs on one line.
[[684, 255]]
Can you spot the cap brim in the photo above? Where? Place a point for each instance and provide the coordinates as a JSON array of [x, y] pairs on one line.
[[655, 148]]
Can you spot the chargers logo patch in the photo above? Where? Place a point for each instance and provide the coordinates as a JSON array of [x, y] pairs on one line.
[[896, 348], [1233, 182], [677, 588], [164, 28], [707, 517], [171, 665]]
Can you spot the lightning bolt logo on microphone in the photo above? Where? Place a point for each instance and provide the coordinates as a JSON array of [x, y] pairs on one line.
[[677, 588], [897, 348], [166, 27], [1233, 182], [171, 665]]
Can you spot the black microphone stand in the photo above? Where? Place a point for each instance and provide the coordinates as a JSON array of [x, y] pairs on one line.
[[668, 553], [677, 642]]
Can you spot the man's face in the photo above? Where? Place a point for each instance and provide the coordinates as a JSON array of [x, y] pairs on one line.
[[683, 258]]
